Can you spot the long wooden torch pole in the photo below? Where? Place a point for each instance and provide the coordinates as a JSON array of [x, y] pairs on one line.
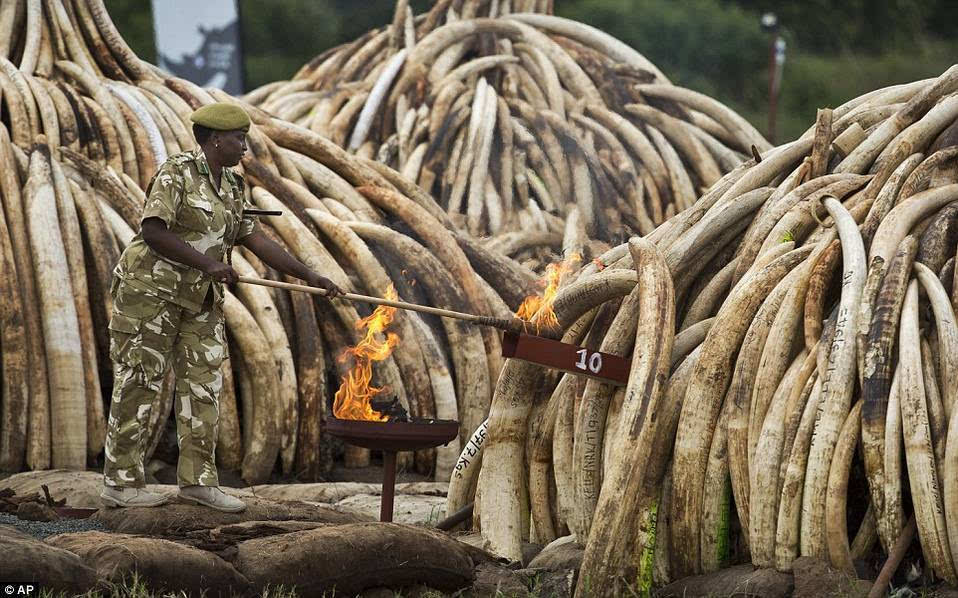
[[509, 325]]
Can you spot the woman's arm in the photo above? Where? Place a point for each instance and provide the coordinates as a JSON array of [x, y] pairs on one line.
[[168, 245], [276, 257]]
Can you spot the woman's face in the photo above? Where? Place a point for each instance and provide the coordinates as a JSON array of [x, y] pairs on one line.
[[229, 146]]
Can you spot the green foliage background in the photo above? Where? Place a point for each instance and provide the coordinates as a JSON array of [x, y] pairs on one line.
[[836, 50]]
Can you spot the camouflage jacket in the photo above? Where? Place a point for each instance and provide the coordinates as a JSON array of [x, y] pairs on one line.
[[182, 195]]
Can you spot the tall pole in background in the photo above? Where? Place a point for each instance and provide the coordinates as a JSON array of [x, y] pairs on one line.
[[776, 61]]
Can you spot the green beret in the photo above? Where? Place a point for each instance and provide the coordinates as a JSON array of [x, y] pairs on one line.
[[221, 117]]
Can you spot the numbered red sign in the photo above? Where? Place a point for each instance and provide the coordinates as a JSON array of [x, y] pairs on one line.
[[569, 358]]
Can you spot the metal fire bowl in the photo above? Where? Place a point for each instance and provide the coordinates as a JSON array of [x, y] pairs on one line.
[[394, 436]]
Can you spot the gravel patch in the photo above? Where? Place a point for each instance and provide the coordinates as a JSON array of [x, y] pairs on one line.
[[45, 529]]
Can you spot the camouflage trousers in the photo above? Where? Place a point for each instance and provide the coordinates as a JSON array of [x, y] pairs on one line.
[[148, 335]]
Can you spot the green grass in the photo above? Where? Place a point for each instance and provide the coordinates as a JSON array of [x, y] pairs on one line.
[[135, 587], [434, 516]]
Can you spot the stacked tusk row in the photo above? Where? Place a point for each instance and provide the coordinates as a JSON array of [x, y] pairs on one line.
[[525, 127], [790, 333], [84, 124], [783, 307]]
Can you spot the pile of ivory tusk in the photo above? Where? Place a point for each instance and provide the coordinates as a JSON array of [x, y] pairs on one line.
[[802, 308], [516, 120], [103, 121]]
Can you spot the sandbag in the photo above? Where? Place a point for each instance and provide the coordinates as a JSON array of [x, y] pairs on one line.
[[562, 554], [79, 488], [160, 564], [332, 492], [177, 519], [734, 581], [412, 509], [223, 540], [352, 558], [27, 559], [329, 492]]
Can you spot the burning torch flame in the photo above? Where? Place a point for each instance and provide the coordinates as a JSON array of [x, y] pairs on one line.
[[355, 392], [537, 309]]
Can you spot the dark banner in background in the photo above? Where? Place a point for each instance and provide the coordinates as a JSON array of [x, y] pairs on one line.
[[199, 40]]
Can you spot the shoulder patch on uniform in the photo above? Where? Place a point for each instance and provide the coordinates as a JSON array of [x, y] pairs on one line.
[[181, 157]]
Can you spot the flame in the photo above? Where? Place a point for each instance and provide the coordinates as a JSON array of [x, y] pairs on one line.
[[537, 309], [355, 392]]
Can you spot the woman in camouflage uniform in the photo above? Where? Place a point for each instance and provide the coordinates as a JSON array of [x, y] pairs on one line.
[[168, 295]]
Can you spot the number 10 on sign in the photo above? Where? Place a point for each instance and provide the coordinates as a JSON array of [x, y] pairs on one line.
[[589, 362], [566, 357]]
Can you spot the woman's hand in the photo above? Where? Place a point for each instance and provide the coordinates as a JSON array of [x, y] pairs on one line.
[[221, 272], [332, 291], [158, 237]]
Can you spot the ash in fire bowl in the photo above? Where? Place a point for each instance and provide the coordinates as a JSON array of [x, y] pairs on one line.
[[394, 412], [390, 408]]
